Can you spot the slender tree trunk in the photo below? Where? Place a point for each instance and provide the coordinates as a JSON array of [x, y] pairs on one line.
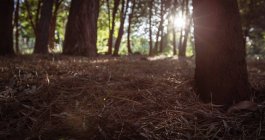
[[81, 29], [110, 27], [17, 26], [150, 28], [6, 27], [121, 29], [155, 51], [111, 34], [175, 4], [129, 28], [181, 30], [161, 46], [30, 17], [43, 28], [37, 16], [182, 48], [182, 53], [221, 73], [53, 24]]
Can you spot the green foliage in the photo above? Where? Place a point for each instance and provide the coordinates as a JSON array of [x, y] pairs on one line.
[[252, 12]]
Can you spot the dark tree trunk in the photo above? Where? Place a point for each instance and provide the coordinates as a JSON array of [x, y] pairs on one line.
[[30, 17], [150, 28], [110, 27], [174, 42], [6, 27], [37, 16], [53, 24], [221, 73], [111, 34], [16, 22], [129, 28], [43, 28], [81, 29], [121, 29]]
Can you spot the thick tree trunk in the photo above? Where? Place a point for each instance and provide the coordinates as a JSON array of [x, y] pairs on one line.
[[6, 27], [221, 73], [43, 28], [111, 33], [121, 29], [81, 29]]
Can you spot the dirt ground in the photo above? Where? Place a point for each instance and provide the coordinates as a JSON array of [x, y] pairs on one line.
[[134, 98]]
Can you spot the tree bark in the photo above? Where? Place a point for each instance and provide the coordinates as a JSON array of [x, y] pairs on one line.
[[43, 28], [124, 10], [129, 28], [111, 34], [150, 28], [183, 45], [30, 17], [175, 3], [53, 24], [180, 43], [16, 22], [221, 73], [6, 27], [37, 16], [81, 29]]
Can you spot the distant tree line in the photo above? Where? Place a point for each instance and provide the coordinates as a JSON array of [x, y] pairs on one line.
[[121, 27], [220, 41]]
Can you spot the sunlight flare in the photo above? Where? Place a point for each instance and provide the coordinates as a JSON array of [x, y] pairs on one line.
[[179, 22]]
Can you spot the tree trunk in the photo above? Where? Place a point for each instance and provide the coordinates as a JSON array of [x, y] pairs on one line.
[[221, 73], [37, 16], [30, 17], [81, 29], [43, 28], [174, 42], [111, 34], [161, 46], [129, 28], [16, 22], [174, 28], [110, 27], [159, 31], [121, 29], [150, 28], [181, 51], [6, 27], [53, 24], [183, 45]]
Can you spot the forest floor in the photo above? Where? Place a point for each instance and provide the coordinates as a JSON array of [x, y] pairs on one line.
[[72, 98]]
